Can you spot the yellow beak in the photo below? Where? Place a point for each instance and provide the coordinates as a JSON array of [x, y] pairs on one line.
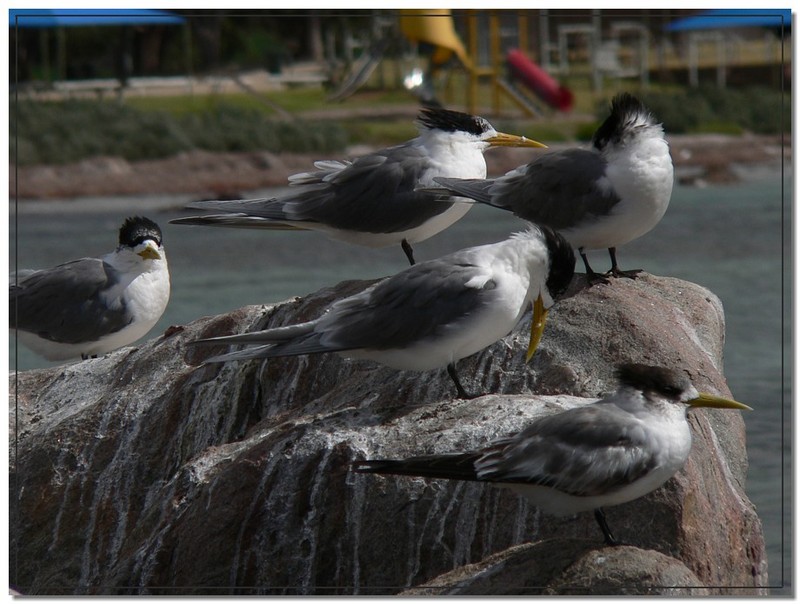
[[511, 140], [537, 326], [150, 253], [711, 400]]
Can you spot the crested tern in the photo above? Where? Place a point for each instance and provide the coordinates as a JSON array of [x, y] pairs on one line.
[[372, 201], [606, 453], [433, 313], [93, 305], [598, 198]]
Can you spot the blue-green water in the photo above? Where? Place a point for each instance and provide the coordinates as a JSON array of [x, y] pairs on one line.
[[734, 240]]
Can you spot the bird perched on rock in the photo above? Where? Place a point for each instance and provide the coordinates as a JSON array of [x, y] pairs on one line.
[[606, 453], [598, 198], [93, 305], [434, 313], [372, 200]]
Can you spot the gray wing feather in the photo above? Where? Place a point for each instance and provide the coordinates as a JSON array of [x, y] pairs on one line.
[[421, 302], [263, 208], [431, 293], [585, 451], [291, 340], [374, 194], [474, 188], [558, 190], [266, 336], [64, 304], [235, 220]]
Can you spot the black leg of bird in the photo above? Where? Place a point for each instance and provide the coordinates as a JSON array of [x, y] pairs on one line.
[[600, 516], [451, 371], [591, 276], [409, 251], [615, 271]]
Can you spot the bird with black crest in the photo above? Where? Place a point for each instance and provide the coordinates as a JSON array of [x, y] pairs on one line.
[[374, 199], [92, 306], [598, 198], [606, 453]]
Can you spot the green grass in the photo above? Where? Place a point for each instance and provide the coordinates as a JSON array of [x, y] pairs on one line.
[[294, 100], [154, 127]]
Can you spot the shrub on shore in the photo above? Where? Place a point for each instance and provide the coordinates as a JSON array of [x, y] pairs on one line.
[[72, 130], [731, 111], [68, 131]]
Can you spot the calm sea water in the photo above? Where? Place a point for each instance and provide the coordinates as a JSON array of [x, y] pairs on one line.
[[734, 240]]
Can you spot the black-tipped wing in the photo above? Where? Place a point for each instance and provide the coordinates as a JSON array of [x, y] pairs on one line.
[[242, 221], [456, 466], [373, 194], [585, 451], [292, 340], [474, 188], [421, 302], [557, 189], [65, 303]]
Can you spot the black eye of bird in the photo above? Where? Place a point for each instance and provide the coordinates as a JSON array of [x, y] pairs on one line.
[[144, 239]]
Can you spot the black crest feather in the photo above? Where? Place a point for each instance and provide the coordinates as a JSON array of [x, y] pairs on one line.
[[625, 108], [436, 118], [562, 261], [625, 104], [137, 229], [648, 378]]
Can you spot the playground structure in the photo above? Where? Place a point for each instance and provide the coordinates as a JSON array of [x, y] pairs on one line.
[[529, 58], [434, 30], [495, 48], [524, 70], [497, 52]]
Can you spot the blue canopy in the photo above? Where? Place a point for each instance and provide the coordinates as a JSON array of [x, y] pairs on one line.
[[75, 17], [734, 17]]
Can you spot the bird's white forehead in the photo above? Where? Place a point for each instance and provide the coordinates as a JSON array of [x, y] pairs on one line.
[[147, 243]]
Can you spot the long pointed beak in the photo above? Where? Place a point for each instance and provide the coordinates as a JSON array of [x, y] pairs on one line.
[[711, 400], [537, 327], [501, 139]]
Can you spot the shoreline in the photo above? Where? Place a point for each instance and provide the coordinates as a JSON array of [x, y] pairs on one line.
[[699, 160]]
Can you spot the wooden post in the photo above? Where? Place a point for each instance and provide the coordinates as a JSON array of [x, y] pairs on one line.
[[472, 81], [494, 50]]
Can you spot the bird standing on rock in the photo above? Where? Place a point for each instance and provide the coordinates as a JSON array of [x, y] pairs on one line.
[[434, 313], [598, 198], [93, 305], [373, 201], [606, 453]]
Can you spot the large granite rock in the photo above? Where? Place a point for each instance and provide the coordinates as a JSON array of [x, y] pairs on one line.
[[566, 567], [146, 472]]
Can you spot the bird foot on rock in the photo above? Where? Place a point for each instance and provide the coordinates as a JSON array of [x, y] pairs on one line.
[[616, 272], [594, 278]]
